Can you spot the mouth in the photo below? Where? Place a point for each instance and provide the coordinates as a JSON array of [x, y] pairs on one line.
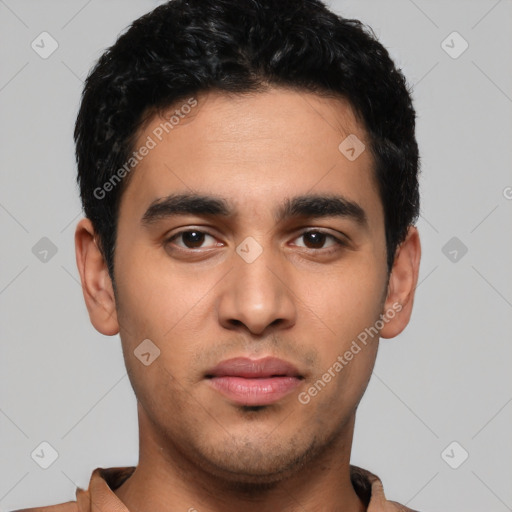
[[254, 382]]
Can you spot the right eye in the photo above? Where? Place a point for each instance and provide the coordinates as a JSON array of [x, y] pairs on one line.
[[191, 239]]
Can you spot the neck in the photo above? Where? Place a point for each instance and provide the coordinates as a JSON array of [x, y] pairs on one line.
[[165, 479]]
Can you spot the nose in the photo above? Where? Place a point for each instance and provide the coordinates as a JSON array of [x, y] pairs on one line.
[[257, 295]]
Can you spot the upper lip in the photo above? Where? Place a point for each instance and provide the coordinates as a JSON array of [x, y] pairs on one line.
[[253, 368]]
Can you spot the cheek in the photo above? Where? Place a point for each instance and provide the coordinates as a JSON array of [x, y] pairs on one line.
[[170, 307], [341, 395], [348, 301], [156, 297], [160, 394], [343, 373]]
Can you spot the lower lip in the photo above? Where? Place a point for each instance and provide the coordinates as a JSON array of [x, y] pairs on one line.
[[245, 391]]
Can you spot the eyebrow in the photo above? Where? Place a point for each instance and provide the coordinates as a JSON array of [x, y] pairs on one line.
[[182, 204], [309, 205], [312, 205]]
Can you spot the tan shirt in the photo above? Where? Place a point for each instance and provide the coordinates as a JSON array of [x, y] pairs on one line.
[[105, 480]]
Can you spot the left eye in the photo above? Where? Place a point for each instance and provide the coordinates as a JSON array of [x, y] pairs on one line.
[[317, 239]]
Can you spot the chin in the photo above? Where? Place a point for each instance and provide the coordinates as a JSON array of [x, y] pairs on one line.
[[250, 466]]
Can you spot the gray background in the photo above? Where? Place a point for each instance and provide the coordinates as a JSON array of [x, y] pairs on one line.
[[445, 379]]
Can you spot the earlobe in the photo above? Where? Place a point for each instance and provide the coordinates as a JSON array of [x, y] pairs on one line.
[[96, 283], [402, 285]]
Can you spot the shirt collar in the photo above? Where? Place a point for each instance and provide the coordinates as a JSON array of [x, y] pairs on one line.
[[104, 481]]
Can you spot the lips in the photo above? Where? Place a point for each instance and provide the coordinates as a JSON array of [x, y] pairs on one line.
[[254, 382]]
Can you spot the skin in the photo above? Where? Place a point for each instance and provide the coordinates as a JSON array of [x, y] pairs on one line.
[[301, 300]]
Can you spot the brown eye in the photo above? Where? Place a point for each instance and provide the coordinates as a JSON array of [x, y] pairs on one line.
[[317, 240], [314, 239], [191, 239]]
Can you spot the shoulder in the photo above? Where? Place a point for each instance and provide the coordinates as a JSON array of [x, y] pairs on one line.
[[70, 506], [108, 479], [369, 487]]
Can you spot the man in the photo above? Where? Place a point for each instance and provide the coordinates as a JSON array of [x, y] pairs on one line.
[[248, 170]]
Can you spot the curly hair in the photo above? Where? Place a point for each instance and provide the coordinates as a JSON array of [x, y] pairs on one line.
[[184, 47]]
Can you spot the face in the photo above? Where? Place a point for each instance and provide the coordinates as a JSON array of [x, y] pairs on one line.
[[253, 294]]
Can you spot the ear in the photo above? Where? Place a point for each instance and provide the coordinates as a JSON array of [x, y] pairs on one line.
[[96, 283], [402, 285]]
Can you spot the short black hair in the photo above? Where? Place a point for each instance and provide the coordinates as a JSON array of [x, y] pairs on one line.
[[185, 47]]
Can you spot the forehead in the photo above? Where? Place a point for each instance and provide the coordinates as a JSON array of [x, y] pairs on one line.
[[253, 148]]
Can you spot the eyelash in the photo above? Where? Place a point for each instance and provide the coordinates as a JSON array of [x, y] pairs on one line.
[[339, 243]]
